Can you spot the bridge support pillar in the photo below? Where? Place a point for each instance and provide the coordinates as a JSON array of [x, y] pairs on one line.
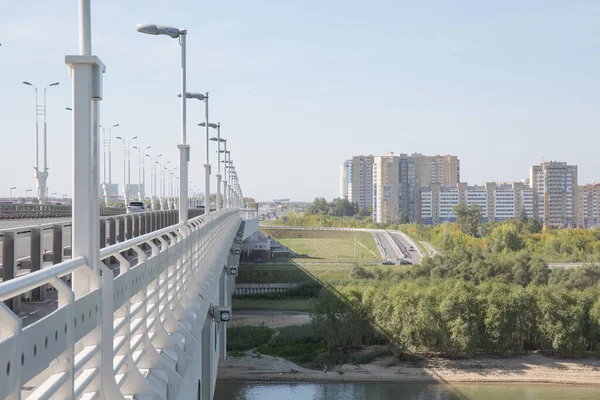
[[129, 229], [37, 261], [102, 233], [9, 267], [208, 363], [224, 296], [136, 225], [112, 231], [121, 229]]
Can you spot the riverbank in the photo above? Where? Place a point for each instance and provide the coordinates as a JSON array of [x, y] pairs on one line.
[[532, 368]]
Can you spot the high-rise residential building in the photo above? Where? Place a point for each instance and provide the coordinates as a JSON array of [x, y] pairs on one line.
[[362, 181], [386, 188], [497, 201], [588, 200], [555, 194], [428, 170], [346, 180]]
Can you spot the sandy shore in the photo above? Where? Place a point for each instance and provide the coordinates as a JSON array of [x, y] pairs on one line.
[[530, 368]]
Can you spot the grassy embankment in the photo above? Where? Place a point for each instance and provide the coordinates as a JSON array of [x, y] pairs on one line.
[[326, 257]]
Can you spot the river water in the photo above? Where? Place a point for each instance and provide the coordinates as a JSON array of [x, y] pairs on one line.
[[402, 391]]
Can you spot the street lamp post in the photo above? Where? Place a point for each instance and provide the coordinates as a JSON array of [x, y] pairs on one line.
[[107, 145], [11, 189], [126, 166], [27, 194], [142, 172], [172, 187], [41, 176], [153, 195], [225, 169], [184, 148], [163, 173], [219, 140]]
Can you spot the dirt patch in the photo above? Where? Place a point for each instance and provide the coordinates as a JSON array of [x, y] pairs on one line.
[[270, 318], [530, 368]]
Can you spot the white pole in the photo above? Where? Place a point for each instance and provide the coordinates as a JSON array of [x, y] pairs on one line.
[[125, 191], [218, 166], [140, 175], [128, 166], [207, 165], [184, 149]]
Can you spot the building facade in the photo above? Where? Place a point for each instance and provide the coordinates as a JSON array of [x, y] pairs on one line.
[[346, 180], [361, 191], [555, 194], [497, 201], [386, 189], [588, 197]]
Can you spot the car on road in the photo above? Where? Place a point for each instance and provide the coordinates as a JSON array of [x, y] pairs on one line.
[[260, 260], [387, 262], [136, 207], [411, 248], [405, 262]]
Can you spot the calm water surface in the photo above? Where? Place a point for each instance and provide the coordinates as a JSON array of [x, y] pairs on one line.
[[405, 391]]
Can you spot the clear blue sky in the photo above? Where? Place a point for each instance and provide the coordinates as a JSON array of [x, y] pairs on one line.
[[301, 85]]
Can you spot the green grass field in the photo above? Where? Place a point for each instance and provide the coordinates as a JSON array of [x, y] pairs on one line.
[[329, 245], [266, 304]]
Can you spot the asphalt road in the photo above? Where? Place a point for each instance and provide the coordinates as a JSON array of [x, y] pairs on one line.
[[405, 243], [18, 223], [390, 249]]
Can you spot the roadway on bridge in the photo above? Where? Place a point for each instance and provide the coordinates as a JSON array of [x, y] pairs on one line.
[[29, 222]]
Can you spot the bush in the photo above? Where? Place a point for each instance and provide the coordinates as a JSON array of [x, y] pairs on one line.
[[242, 338]]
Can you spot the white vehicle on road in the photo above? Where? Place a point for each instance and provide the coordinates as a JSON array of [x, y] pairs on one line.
[[136, 207]]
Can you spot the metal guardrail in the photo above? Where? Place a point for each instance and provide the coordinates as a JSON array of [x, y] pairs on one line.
[[150, 332], [113, 230], [19, 211]]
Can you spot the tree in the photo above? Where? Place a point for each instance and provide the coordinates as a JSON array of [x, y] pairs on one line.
[[249, 200], [319, 206], [467, 218]]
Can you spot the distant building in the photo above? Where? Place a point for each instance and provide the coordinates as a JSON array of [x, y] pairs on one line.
[[497, 201], [588, 198], [361, 191], [386, 188], [555, 194], [346, 180]]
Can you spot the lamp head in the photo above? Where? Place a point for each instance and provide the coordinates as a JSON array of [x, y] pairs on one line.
[[54, 84], [194, 95], [115, 125], [27, 83], [153, 29]]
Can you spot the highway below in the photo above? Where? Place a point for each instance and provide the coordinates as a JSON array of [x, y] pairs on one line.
[[405, 244], [389, 249]]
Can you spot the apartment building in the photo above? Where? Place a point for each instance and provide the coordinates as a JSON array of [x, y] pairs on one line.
[[555, 194], [497, 201], [346, 180], [429, 170], [386, 188], [361, 189], [588, 197]]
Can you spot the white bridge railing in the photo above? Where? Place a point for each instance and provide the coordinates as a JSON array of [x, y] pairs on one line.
[[153, 327]]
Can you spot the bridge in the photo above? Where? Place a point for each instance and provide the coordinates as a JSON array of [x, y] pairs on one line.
[[135, 306]]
